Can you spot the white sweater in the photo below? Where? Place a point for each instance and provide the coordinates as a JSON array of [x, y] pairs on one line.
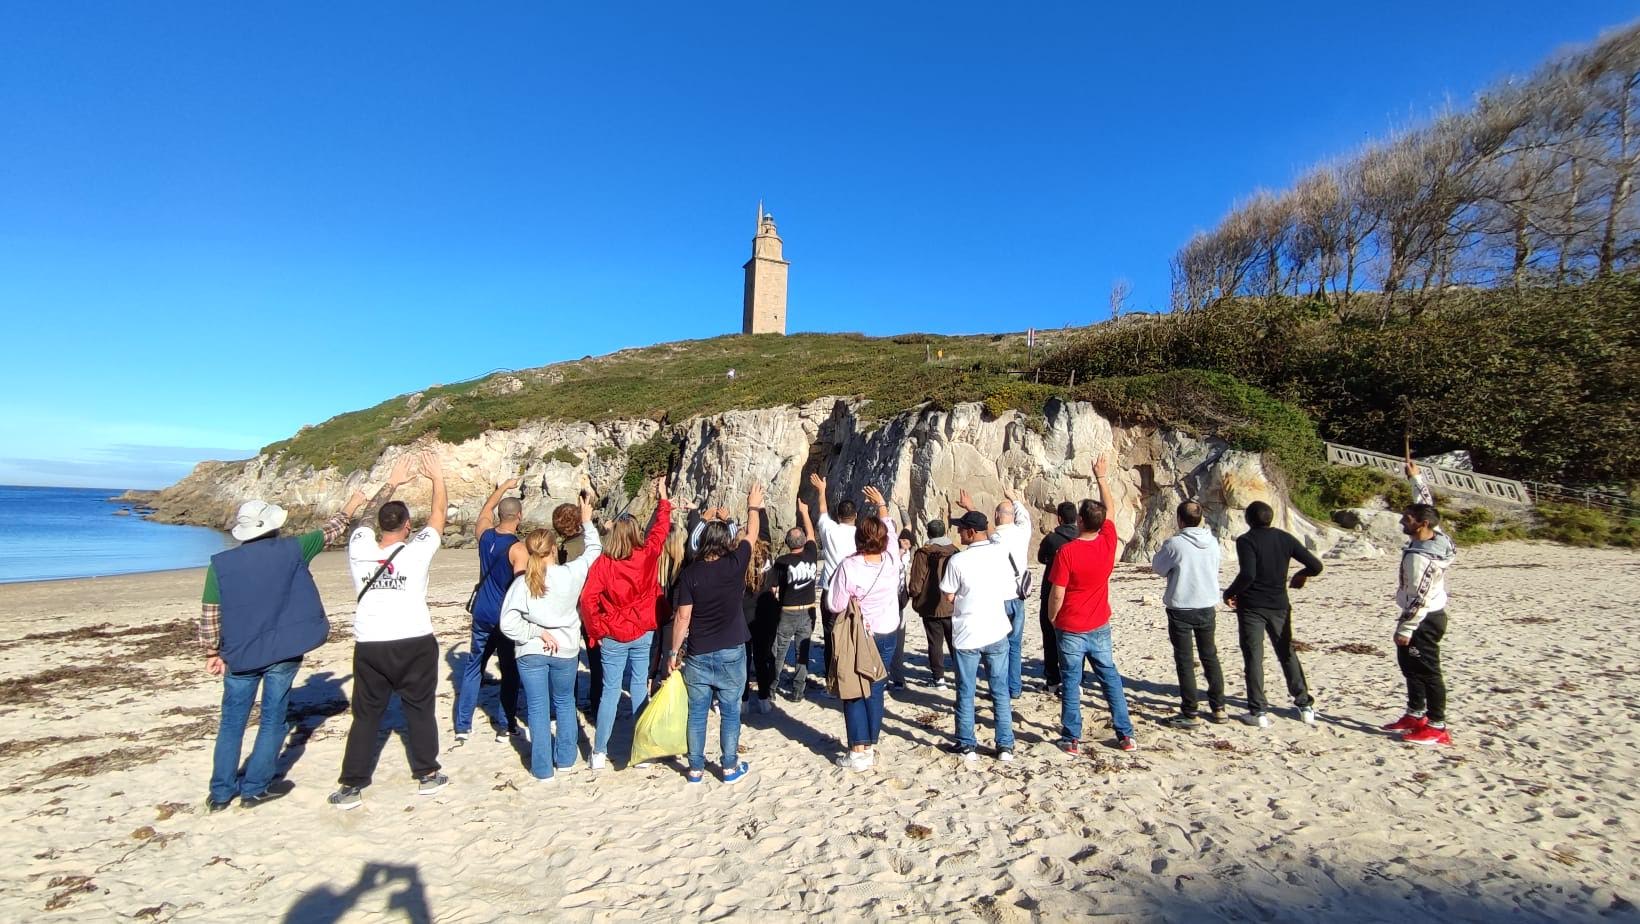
[[524, 616]]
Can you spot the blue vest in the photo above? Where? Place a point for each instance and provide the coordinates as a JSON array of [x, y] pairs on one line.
[[271, 610], [498, 576]]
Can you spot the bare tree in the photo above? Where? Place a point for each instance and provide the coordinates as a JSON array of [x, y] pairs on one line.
[[1120, 290]]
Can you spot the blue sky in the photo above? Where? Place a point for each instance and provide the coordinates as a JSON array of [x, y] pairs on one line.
[[220, 222]]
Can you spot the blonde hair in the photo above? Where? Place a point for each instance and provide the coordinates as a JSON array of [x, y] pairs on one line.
[[623, 538], [671, 554], [543, 549]]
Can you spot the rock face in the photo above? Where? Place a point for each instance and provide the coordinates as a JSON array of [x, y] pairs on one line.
[[921, 460]]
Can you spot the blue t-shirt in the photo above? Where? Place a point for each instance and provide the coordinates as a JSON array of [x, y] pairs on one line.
[[498, 576]]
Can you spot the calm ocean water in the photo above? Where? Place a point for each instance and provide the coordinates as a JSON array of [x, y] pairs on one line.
[[48, 533]]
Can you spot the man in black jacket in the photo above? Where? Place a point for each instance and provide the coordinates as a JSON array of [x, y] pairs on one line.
[[1051, 543], [1259, 597]]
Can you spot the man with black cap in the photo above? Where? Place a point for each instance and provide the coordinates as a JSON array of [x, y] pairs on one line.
[[260, 614], [979, 582]]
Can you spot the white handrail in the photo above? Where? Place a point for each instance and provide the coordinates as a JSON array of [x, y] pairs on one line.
[[1503, 490]]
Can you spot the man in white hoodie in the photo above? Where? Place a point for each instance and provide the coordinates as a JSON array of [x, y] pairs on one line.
[[1421, 598], [1190, 562]]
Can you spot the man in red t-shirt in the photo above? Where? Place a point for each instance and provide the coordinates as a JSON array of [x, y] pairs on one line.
[[1079, 606]]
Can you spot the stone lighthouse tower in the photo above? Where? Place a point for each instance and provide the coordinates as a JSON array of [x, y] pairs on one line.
[[765, 302]]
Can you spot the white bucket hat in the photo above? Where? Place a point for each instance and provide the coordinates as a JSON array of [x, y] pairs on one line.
[[257, 518]]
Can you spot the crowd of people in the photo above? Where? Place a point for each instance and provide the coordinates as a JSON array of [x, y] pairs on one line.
[[716, 598]]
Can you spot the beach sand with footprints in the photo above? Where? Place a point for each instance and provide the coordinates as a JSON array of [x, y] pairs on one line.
[[107, 718]]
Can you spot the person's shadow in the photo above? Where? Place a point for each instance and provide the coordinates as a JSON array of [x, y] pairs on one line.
[[325, 905], [318, 698]]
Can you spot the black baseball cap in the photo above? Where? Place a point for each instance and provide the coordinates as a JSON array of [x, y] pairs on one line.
[[973, 520]]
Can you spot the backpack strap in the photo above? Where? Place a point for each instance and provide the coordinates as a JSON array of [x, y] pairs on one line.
[[372, 582]]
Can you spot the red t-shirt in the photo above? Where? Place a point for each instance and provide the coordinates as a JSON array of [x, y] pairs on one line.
[[1083, 568]]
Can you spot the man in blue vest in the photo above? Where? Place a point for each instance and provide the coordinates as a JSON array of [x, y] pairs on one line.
[[260, 614], [499, 555]]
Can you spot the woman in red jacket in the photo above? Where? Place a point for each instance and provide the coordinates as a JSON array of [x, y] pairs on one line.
[[618, 607]]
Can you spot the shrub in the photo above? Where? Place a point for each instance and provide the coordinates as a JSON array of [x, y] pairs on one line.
[[1589, 527], [646, 460], [563, 455]]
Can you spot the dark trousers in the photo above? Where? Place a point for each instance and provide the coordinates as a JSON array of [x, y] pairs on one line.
[[896, 665], [595, 675], [1191, 632], [764, 668], [795, 626], [939, 642], [1050, 640], [1420, 661], [408, 667], [1254, 625], [828, 620]]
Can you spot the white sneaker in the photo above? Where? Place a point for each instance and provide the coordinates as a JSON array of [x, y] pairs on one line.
[[1006, 756], [1307, 715], [858, 761], [1260, 719], [596, 761], [544, 780]]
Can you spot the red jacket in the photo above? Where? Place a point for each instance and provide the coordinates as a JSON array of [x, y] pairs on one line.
[[619, 598]]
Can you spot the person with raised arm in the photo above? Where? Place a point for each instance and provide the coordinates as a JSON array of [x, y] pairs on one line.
[[836, 544], [394, 650], [618, 609], [541, 615], [709, 636], [259, 615], [497, 531], [1420, 598], [1079, 606], [796, 581], [870, 580]]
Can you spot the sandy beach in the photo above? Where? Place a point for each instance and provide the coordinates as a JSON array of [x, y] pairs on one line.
[[107, 718]]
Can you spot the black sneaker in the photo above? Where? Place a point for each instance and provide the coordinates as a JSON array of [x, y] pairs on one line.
[[346, 798], [964, 751], [212, 806], [431, 783], [276, 790], [1184, 721]]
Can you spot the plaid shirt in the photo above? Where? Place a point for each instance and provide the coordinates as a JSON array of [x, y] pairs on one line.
[[210, 612]]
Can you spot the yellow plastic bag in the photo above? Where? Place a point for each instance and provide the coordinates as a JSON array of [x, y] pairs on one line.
[[663, 729]]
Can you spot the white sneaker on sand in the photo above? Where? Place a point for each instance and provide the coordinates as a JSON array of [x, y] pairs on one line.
[[1307, 715], [1260, 719], [858, 761], [597, 761]]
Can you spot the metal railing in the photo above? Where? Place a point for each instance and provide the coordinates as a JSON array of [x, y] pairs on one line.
[[1502, 490]]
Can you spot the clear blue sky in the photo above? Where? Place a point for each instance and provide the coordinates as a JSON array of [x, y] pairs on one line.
[[220, 222]]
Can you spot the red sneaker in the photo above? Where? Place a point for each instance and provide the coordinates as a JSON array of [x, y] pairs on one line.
[[1407, 723], [1429, 736]]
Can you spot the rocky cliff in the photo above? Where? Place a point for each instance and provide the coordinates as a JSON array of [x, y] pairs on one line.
[[921, 459]]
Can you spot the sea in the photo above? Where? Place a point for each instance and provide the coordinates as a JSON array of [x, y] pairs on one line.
[[54, 533]]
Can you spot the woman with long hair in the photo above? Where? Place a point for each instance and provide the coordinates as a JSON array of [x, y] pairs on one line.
[[618, 609], [540, 615], [762, 615], [709, 638], [870, 578]]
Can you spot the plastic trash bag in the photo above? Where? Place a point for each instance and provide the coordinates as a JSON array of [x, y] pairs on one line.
[[663, 728]]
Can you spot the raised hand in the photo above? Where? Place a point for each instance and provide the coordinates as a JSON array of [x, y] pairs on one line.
[[874, 496], [965, 500], [354, 502], [802, 508], [507, 485], [1101, 466], [432, 467], [754, 497], [818, 482], [1009, 494], [659, 487], [404, 469]]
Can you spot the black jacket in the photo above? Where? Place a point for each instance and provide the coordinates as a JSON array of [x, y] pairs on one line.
[[1050, 546], [1261, 580]]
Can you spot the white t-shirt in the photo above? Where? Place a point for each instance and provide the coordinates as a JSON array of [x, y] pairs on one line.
[[983, 583], [396, 606], [1016, 537], [836, 543]]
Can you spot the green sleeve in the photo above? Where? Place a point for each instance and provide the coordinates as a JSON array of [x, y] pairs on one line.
[[213, 595], [312, 544]]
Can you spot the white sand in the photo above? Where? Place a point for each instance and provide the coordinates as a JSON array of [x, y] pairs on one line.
[[1530, 817]]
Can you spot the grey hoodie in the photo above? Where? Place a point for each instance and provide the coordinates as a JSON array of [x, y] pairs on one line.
[[1190, 562]]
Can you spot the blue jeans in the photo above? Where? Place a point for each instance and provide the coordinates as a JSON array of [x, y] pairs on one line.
[[996, 674], [863, 717], [238, 693], [549, 689], [1096, 647], [720, 673], [487, 641], [1016, 646], [626, 662]]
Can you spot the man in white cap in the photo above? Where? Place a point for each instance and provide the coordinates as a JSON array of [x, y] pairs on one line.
[[260, 614]]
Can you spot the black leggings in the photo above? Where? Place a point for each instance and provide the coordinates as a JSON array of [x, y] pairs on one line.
[[1420, 662]]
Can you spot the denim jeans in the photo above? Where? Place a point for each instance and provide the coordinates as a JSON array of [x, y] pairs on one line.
[[1095, 646], [863, 717], [238, 693], [549, 688], [1016, 647], [626, 662], [793, 632], [487, 641], [722, 674], [967, 661]]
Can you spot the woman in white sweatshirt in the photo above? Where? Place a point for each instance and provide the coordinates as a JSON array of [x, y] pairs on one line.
[[539, 614]]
